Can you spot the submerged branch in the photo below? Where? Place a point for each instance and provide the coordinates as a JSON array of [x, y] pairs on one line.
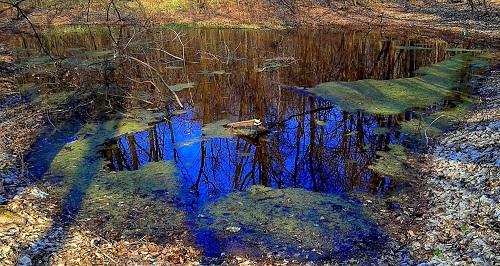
[[159, 75]]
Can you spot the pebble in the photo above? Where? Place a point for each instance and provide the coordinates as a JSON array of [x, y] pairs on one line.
[[24, 261]]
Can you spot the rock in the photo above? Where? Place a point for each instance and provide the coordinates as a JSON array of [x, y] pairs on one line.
[[37, 193], [233, 229], [24, 261]]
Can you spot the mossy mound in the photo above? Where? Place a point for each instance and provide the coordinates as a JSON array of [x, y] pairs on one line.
[[388, 97], [294, 222], [80, 158], [391, 163]]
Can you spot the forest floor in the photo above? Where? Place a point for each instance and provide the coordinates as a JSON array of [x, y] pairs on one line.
[[461, 175]]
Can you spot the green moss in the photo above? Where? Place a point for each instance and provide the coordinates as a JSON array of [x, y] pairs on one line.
[[118, 204], [157, 176], [53, 99], [436, 123], [182, 86], [396, 96], [125, 201], [217, 130], [289, 218], [391, 163], [273, 64], [381, 131]]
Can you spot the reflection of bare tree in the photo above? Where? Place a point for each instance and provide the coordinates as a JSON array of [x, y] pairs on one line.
[[133, 152], [302, 152]]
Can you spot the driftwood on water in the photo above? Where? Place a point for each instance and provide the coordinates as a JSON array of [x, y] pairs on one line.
[[252, 127]]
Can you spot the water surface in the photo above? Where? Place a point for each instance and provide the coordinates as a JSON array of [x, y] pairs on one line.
[[228, 75]]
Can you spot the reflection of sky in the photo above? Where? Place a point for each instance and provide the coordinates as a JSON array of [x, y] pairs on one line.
[[326, 151]]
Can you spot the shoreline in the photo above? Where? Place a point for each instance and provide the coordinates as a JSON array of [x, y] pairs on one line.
[[460, 171], [416, 19]]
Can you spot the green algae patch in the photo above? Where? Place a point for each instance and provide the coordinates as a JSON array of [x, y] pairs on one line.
[[391, 163], [273, 64], [182, 86], [81, 157], [292, 220], [53, 99], [127, 203], [156, 176], [434, 124], [388, 97], [217, 130], [381, 131]]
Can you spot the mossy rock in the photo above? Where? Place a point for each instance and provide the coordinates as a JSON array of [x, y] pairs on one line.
[[293, 221]]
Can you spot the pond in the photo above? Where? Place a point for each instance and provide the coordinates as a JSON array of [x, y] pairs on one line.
[[285, 191]]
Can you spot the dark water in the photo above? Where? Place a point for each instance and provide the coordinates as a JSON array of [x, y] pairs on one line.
[[312, 144]]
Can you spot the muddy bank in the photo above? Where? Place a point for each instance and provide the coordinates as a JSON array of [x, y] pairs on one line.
[[461, 175]]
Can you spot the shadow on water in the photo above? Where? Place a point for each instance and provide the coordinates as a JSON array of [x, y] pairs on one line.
[[313, 157]]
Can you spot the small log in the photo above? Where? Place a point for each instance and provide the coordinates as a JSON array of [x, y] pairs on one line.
[[246, 123], [252, 128]]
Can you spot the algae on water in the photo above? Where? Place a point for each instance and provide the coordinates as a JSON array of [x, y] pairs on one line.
[[181, 86], [120, 204], [295, 220], [391, 163], [432, 125], [387, 97]]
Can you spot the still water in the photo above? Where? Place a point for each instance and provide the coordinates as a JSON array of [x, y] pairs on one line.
[[229, 75]]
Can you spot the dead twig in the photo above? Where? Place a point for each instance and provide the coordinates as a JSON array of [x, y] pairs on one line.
[[160, 76]]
